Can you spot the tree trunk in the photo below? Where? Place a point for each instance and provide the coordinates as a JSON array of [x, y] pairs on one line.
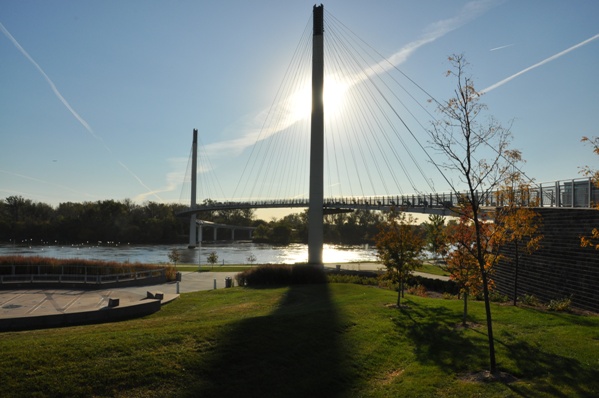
[[516, 276], [465, 309], [481, 265], [492, 362]]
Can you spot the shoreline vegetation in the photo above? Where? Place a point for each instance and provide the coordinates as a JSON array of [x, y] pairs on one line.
[[55, 266]]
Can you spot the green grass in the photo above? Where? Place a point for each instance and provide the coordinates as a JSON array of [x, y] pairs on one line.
[[310, 340], [432, 269], [216, 268]]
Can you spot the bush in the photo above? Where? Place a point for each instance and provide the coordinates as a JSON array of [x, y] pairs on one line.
[[562, 304], [50, 265], [355, 279], [418, 290], [530, 299], [435, 285], [449, 296], [497, 297], [281, 275]]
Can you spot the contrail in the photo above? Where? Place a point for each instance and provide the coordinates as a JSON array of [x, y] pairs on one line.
[[501, 47], [436, 30], [543, 62], [431, 33], [50, 82], [67, 105]]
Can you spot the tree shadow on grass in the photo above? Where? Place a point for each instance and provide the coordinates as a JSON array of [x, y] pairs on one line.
[[552, 374], [438, 340], [296, 351]]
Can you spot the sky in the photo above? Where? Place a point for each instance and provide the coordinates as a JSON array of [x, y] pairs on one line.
[[98, 99]]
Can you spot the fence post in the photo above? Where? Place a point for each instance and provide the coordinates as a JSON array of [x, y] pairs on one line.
[[590, 198]]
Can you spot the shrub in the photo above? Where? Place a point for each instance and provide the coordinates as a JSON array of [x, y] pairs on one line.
[[497, 297], [530, 299], [171, 273], [418, 290], [435, 285], [355, 279], [449, 296], [50, 265], [562, 304]]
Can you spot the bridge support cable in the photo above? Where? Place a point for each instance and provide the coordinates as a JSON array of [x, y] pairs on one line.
[[372, 103], [281, 144], [384, 65], [186, 185], [357, 127], [390, 65], [362, 114]]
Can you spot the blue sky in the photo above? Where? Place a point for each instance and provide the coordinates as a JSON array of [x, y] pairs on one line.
[[98, 99]]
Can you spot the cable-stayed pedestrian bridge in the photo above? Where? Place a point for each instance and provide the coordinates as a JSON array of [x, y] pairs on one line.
[[576, 193], [345, 131]]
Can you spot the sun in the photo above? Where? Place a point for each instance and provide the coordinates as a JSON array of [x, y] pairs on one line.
[[300, 103]]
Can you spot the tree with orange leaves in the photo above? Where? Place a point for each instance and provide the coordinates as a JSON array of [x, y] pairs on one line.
[[475, 151], [399, 245], [516, 221], [593, 239], [461, 263]]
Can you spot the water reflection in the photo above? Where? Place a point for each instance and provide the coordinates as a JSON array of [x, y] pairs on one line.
[[228, 253]]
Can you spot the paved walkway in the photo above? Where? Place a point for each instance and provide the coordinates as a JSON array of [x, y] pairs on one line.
[[35, 302], [41, 302]]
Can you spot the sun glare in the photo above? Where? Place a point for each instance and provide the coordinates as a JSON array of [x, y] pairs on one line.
[[300, 103]]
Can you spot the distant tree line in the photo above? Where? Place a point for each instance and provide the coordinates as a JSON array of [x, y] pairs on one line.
[[25, 221], [357, 227]]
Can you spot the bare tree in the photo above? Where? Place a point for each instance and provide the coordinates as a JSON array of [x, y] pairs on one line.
[[476, 151]]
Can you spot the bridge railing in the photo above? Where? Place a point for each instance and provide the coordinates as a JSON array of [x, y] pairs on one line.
[[564, 193], [580, 193]]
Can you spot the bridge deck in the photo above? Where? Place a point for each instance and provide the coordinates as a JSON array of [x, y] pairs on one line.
[[578, 193]]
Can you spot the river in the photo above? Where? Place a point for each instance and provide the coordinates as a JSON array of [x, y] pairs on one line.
[[228, 253]]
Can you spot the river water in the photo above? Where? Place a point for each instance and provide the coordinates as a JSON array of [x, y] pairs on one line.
[[228, 253]]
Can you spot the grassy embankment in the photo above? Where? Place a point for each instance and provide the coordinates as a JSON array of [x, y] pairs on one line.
[[311, 340]]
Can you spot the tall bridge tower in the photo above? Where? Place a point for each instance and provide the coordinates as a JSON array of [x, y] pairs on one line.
[[193, 228], [315, 210]]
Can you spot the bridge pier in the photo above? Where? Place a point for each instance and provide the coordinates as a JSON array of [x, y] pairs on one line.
[[315, 209], [194, 166]]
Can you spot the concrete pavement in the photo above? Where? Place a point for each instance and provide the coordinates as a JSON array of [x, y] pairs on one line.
[[42, 307]]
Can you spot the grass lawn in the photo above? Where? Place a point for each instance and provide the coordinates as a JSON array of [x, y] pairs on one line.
[[432, 269], [336, 340]]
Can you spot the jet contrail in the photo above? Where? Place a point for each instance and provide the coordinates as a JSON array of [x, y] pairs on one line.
[[501, 47], [432, 32], [543, 62], [67, 105], [50, 82]]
